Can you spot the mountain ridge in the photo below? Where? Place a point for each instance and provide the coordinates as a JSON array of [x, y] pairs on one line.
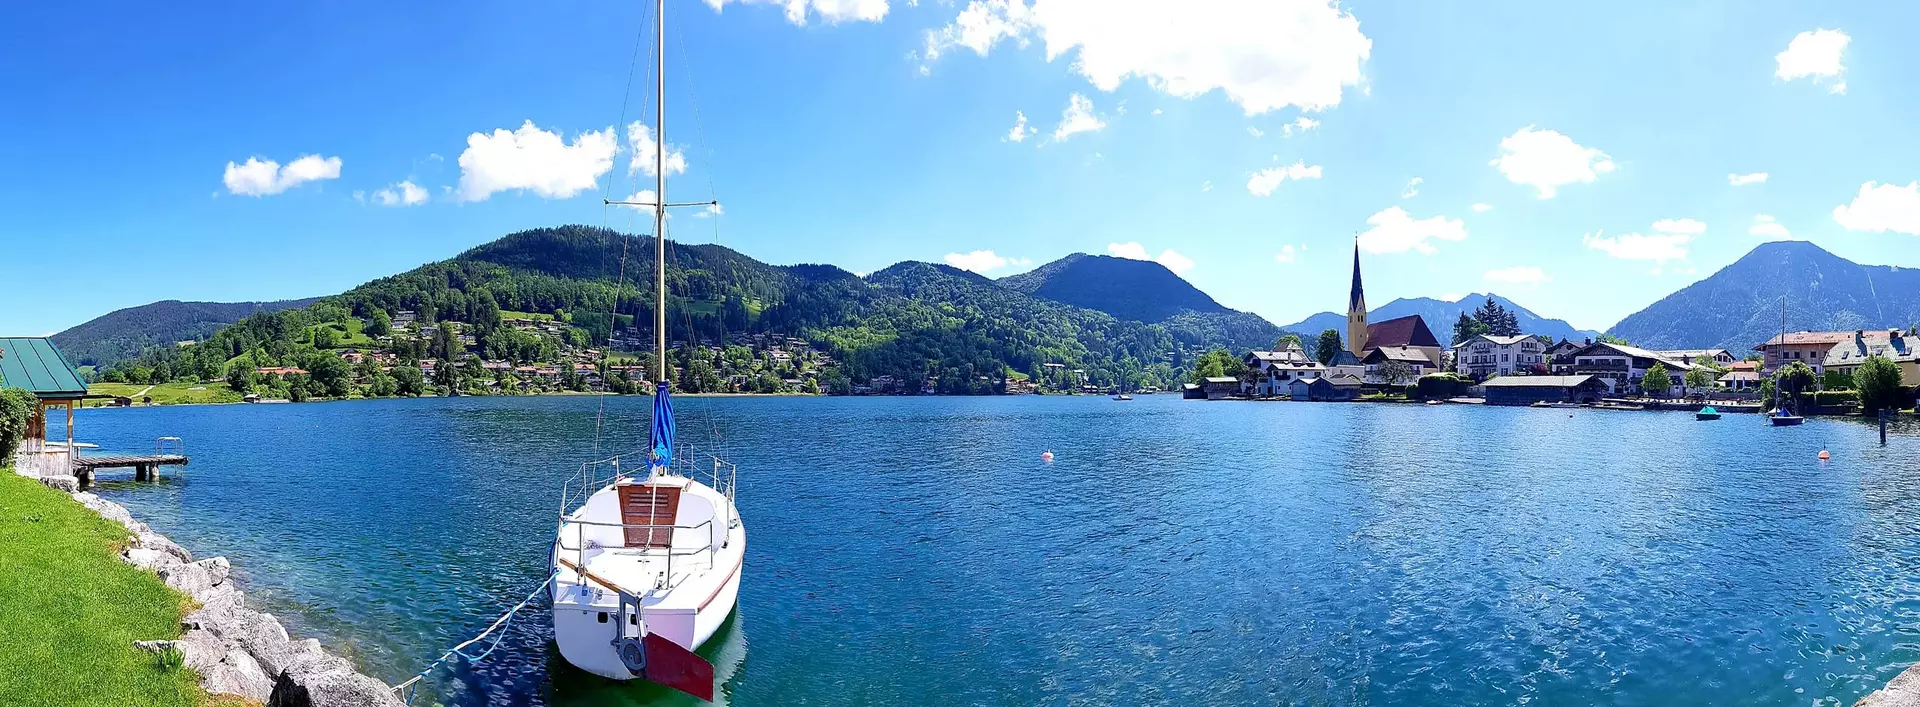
[[1441, 314], [125, 332]]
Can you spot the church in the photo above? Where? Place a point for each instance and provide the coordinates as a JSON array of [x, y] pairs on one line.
[[1406, 339]]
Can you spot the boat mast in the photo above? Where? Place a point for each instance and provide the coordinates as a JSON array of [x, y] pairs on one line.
[[660, 193]]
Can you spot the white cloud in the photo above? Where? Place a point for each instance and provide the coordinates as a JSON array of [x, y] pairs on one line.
[[1263, 54], [1077, 118], [833, 11], [1815, 54], [1546, 160], [1517, 275], [1299, 125], [1764, 225], [1288, 253], [640, 141], [1413, 188], [1156, 111], [1206, 186], [405, 193], [1256, 132], [1680, 225], [534, 160], [1172, 260], [1020, 130], [1741, 180], [1482, 208], [713, 209], [1263, 182], [1668, 241], [983, 261], [1394, 231], [260, 177], [1882, 207], [640, 198]]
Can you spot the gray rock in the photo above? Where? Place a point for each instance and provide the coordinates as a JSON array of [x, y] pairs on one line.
[[334, 688], [155, 646], [110, 510], [196, 579], [202, 650], [1902, 691], [63, 483], [155, 541], [237, 674], [149, 560]]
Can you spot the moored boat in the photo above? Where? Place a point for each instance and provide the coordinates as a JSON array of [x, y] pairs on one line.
[[1707, 413], [646, 564]]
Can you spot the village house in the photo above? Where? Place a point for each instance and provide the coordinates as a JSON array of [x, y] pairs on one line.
[[1740, 381], [280, 371], [1333, 388], [1808, 347], [1892, 344], [1622, 368], [1560, 355], [1417, 362], [1486, 355], [1220, 387], [1527, 390], [1275, 371], [1717, 358]]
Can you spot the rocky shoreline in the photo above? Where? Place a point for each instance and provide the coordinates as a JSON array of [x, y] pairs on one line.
[[236, 650]]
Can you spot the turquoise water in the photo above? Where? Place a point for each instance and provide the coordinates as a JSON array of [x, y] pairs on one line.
[[914, 550]]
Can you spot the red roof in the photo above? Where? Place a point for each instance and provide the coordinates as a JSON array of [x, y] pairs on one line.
[[1409, 330]]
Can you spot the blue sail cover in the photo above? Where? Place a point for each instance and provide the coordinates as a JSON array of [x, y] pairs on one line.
[[662, 437]]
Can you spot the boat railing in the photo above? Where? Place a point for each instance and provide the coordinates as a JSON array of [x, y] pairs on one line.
[[579, 547], [721, 475]]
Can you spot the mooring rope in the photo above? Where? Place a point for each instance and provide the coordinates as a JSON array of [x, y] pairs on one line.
[[499, 624]]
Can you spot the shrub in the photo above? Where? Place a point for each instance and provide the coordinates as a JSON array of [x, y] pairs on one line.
[[17, 406], [1440, 385], [1835, 398], [1878, 380]]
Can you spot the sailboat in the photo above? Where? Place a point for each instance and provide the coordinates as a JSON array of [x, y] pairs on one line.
[[646, 563], [1782, 416]]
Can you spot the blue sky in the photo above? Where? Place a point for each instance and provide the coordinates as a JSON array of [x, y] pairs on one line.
[[1577, 159]]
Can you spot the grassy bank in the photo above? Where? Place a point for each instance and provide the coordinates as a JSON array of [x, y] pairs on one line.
[[70, 609], [166, 393]]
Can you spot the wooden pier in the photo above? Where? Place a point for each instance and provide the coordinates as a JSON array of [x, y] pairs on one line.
[[145, 467]]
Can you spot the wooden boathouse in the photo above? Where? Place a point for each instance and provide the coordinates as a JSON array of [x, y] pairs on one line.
[[35, 364]]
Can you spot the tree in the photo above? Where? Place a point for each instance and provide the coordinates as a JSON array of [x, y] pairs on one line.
[[331, 374], [1835, 380], [1611, 339], [378, 325], [1793, 379], [1878, 380], [408, 381], [1699, 379], [381, 385], [323, 337], [1466, 328], [1395, 373], [1328, 348], [240, 375], [1218, 363], [1657, 381], [17, 411], [1499, 320]]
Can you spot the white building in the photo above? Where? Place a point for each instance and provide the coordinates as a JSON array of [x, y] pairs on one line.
[[1624, 367], [1275, 371], [1721, 358], [1485, 356]]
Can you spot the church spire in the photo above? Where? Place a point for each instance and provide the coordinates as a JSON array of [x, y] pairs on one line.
[[1356, 308]]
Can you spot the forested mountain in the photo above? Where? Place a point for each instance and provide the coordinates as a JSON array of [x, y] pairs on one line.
[[1739, 306], [916, 323], [1143, 291], [1441, 314], [124, 333]]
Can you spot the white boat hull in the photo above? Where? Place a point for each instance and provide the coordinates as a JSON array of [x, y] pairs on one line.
[[686, 604]]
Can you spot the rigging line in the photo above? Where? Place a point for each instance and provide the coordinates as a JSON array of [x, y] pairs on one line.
[[620, 276], [505, 619]]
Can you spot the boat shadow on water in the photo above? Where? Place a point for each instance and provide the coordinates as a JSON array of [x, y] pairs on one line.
[[571, 686]]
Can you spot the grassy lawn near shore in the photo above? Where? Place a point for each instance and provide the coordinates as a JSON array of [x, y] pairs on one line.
[[70, 610], [166, 393]]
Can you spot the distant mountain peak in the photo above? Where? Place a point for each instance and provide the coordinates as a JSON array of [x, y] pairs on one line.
[[1140, 290]]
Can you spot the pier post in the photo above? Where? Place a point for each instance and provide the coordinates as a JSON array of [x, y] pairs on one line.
[[1883, 427]]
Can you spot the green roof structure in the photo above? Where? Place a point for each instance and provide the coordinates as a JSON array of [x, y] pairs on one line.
[[34, 363]]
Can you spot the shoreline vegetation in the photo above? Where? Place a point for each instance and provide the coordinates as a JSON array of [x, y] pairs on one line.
[[70, 609]]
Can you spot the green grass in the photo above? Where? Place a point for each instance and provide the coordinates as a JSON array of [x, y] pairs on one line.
[[348, 335], [167, 393], [70, 610], [504, 314]]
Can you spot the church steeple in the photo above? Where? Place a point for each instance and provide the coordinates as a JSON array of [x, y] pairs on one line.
[[1356, 308]]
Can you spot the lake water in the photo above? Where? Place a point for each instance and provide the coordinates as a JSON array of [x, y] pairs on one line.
[[917, 550]]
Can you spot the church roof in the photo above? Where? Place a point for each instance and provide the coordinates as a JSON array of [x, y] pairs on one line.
[[1409, 330], [1356, 298]]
